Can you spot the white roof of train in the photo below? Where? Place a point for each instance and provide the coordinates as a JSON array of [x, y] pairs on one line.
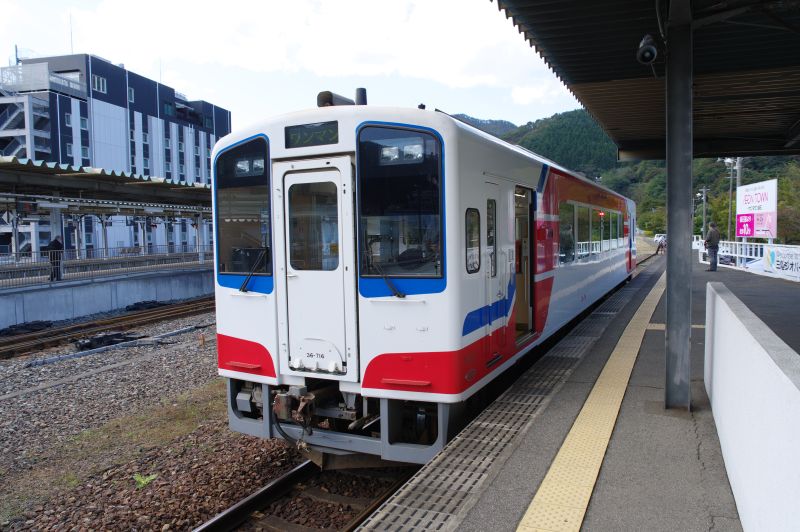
[[421, 117]]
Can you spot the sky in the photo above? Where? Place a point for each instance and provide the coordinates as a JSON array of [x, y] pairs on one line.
[[262, 58]]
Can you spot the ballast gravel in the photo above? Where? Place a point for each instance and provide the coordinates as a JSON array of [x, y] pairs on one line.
[[88, 397], [176, 487]]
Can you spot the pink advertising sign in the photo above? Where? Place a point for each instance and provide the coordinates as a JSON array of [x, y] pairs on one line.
[[757, 210], [745, 225]]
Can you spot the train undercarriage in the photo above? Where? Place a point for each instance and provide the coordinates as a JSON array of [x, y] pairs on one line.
[[343, 429]]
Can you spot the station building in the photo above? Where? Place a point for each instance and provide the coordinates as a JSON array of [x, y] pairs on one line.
[[84, 111]]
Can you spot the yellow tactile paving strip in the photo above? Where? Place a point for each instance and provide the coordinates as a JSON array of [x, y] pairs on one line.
[[562, 499]]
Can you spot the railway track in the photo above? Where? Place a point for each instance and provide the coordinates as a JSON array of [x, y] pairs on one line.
[[262, 509], [19, 344], [307, 499]]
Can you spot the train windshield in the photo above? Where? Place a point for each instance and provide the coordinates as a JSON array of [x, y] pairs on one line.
[[243, 228], [400, 196]]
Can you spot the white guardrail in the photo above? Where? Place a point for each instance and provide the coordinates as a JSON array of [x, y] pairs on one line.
[[764, 259], [753, 381]]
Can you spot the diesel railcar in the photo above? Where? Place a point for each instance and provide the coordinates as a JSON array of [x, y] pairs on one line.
[[376, 267]]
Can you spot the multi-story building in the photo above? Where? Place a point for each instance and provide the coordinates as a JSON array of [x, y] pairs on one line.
[[86, 111], [83, 110]]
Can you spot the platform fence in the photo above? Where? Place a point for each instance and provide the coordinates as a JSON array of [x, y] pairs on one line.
[[43, 267], [772, 260]]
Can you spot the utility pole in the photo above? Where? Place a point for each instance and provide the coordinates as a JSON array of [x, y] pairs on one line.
[[704, 192], [730, 163], [738, 184]]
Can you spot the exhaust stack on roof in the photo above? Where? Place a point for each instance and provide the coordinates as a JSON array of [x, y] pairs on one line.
[[328, 98]]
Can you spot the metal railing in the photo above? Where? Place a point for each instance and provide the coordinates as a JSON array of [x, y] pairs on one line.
[[37, 77], [32, 268], [9, 114], [773, 260], [13, 148]]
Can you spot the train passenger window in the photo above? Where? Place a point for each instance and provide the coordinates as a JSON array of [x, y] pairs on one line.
[[597, 232], [473, 230], [491, 235], [566, 232], [313, 226], [243, 214], [399, 202], [583, 244]]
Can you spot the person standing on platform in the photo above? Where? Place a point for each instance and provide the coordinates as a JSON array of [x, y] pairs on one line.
[[712, 245], [55, 249]]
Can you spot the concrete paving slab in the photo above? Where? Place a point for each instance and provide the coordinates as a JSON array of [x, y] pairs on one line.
[[663, 469], [772, 300]]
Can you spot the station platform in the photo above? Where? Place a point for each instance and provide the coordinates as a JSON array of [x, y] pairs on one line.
[[74, 298], [582, 441]]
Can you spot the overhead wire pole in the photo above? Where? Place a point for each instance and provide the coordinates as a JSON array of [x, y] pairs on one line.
[[677, 392]]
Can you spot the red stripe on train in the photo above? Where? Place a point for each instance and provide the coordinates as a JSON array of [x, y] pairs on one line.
[[236, 354], [452, 372], [448, 372]]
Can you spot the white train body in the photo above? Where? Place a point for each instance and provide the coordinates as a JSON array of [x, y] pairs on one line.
[[379, 266]]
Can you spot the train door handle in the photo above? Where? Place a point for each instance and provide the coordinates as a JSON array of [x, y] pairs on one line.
[[290, 275]]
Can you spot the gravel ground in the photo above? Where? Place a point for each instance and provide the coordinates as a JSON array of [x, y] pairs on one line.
[[312, 513], [196, 477], [33, 423], [15, 376]]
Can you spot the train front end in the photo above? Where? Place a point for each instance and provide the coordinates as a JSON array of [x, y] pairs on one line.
[[331, 283]]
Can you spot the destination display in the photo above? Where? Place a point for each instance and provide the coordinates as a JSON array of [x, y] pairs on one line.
[[306, 135]]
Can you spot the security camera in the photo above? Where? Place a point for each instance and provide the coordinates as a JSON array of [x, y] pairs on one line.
[[647, 52]]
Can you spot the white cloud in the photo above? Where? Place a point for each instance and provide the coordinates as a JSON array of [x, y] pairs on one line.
[[544, 91], [460, 44], [444, 41]]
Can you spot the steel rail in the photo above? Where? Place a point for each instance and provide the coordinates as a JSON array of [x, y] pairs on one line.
[[26, 342], [239, 512]]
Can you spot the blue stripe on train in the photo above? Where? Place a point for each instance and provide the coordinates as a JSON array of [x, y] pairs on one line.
[[487, 314]]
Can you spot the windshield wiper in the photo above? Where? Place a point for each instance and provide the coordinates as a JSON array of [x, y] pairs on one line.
[[397, 293], [261, 255], [371, 263]]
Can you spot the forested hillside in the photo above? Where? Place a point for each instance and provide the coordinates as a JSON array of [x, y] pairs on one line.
[[498, 128], [573, 139]]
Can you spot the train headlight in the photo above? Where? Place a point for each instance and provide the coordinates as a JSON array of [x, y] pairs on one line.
[[413, 152], [389, 154]]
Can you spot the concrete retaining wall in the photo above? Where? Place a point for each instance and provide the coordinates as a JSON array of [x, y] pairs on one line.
[[753, 380], [73, 299]]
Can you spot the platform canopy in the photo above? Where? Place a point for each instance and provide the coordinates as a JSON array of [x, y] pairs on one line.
[[746, 70], [40, 178]]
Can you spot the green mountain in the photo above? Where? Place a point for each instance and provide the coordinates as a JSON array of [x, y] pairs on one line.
[[574, 140], [498, 128]]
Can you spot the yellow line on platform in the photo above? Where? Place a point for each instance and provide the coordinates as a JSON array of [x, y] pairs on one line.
[[561, 501]]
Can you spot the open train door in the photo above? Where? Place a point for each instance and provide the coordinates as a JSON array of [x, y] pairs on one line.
[[629, 234], [317, 314], [524, 261], [497, 274]]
